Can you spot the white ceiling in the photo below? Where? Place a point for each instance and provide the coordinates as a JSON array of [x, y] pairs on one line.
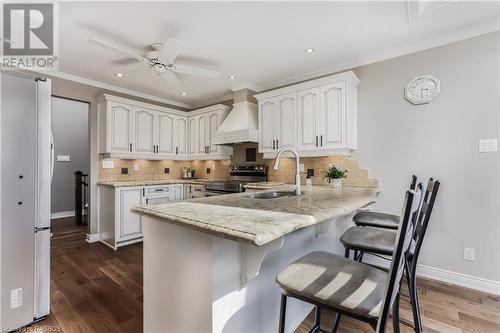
[[262, 43]]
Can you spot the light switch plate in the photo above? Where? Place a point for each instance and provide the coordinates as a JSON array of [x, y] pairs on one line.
[[301, 167], [108, 164], [136, 166], [488, 145], [63, 158]]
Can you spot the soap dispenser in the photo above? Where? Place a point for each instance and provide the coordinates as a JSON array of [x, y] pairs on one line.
[[309, 184]]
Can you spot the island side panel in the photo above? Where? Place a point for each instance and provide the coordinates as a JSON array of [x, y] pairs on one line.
[[177, 278], [254, 306]]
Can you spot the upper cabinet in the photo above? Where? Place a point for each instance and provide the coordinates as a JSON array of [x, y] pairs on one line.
[[316, 118], [129, 129], [203, 125]]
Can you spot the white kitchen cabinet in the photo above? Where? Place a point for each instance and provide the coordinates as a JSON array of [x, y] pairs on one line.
[[119, 127], [143, 129], [129, 129], [317, 117], [118, 226], [277, 123], [308, 119], [203, 125]]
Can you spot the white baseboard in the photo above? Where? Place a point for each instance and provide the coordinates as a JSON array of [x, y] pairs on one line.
[[92, 238], [61, 215], [442, 275]]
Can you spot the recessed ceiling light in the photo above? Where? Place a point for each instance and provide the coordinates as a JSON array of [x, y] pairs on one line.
[[119, 75], [184, 93], [309, 50], [232, 76]]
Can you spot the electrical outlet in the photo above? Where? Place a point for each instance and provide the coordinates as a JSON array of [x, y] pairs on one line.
[[63, 158], [166, 170], [136, 166], [213, 167], [310, 172], [108, 164], [301, 167], [208, 171], [16, 298], [469, 254], [124, 171]]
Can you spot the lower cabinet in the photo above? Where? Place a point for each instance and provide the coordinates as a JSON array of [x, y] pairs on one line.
[[118, 226]]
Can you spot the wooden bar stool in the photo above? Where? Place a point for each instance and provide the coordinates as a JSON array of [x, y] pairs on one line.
[[350, 288]]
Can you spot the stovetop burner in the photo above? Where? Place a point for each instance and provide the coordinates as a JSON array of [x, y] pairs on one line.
[[240, 175]]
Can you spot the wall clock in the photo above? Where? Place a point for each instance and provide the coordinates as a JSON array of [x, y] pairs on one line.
[[422, 89]]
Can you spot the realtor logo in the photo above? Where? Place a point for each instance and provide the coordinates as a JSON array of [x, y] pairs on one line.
[[29, 36]]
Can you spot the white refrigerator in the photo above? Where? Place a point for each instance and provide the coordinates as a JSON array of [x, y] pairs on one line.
[[26, 171]]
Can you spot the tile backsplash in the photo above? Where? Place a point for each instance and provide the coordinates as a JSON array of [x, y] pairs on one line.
[[146, 169]]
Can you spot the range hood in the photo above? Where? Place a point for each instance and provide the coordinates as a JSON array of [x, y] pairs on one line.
[[240, 125]]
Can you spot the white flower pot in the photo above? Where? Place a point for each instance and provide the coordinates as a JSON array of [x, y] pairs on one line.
[[336, 183]]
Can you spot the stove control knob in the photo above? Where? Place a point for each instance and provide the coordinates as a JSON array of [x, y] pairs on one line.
[[256, 168], [261, 168], [231, 168]]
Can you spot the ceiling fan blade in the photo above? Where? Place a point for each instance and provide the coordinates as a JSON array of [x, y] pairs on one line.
[[117, 48], [136, 68], [170, 50], [196, 71], [169, 75]]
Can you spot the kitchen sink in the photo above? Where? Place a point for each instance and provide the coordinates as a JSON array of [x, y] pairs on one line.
[[273, 195]]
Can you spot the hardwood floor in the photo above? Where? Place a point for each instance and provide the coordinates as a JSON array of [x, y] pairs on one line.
[[96, 289]]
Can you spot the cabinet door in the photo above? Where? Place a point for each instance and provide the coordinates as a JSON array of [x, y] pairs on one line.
[[176, 192], [308, 120], [130, 225], [181, 135], [119, 127], [165, 123], [143, 131], [285, 116], [202, 134], [333, 115], [214, 122], [193, 136], [266, 126]]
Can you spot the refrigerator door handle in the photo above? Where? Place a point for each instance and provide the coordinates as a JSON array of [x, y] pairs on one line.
[[52, 156]]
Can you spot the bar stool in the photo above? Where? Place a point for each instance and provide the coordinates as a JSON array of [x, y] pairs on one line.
[[350, 288], [380, 241], [380, 220]]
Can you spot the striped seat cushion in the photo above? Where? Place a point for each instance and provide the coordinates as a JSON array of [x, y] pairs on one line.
[[369, 239], [337, 282], [374, 219]]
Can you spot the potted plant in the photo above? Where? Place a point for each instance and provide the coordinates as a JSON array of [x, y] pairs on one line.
[[335, 173]]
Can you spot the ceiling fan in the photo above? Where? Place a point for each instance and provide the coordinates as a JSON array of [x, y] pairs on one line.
[[161, 60]]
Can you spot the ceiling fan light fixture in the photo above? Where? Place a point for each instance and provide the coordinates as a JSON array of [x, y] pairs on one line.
[[232, 76], [309, 50], [119, 75], [184, 93]]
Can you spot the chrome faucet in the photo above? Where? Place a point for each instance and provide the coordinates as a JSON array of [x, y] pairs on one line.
[[297, 173]]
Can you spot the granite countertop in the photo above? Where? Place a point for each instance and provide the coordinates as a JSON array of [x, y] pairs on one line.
[[131, 183], [259, 221], [263, 185]]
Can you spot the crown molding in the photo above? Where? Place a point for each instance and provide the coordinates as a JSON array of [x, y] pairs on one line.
[[111, 87], [397, 52]]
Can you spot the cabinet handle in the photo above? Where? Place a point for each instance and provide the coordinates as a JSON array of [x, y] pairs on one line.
[[274, 145], [277, 144], [176, 150], [316, 140], [131, 147], [321, 140]]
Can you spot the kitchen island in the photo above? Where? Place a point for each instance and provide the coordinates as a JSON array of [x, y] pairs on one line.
[[210, 263]]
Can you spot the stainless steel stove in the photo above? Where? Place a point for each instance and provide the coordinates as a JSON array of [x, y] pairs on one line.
[[240, 175]]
